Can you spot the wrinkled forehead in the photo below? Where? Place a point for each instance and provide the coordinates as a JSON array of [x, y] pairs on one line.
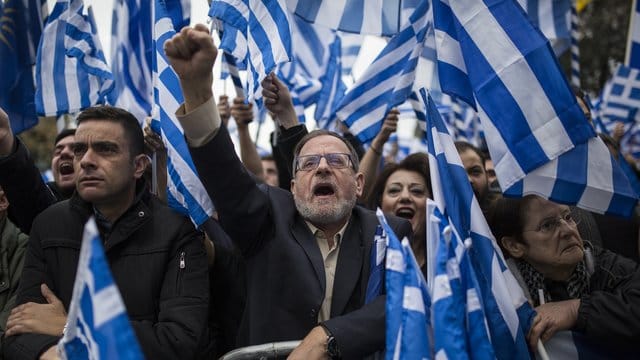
[[536, 208], [99, 130], [324, 144]]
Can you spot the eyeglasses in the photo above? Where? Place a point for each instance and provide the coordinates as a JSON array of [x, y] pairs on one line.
[[550, 225], [334, 160]]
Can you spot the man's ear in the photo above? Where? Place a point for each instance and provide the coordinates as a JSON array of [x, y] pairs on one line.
[[513, 247], [140, 163], [359, 184], [292, 188]]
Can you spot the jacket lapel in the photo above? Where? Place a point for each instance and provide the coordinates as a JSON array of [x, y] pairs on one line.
[[350, 260], [307, 241]]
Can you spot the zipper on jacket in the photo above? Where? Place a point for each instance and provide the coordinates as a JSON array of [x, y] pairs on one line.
[[182, 264]]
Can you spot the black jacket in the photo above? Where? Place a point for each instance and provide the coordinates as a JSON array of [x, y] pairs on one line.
[[26, 191], [610, 313], [158, 263], [285, 271]]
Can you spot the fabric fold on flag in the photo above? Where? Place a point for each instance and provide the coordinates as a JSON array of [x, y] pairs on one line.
[[257, 33], [97, 324], [131, 51], [186, 192], [388, 81], [482, 271], [408, 301], [485, 56], [67, 81]]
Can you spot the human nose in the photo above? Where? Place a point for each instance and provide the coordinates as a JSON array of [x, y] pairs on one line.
[[405, 195], [323, 165], [87, 160]]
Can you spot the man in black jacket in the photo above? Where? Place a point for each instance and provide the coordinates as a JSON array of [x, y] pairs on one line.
[[156, 257], [307, 251]]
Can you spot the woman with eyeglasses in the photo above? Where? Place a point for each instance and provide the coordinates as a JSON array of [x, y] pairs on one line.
[[572, 285]]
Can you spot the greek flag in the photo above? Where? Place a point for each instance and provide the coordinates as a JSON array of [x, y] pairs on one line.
[[481, 59], [71, 71], [97, 324], [632, 57], [495, 291], [184, 186], [229, 69], [256, 33], [407, 303], [351, 44], [131, 56], [388, 81], [621, 97], [333, 88], [382, 17], [553, 18]]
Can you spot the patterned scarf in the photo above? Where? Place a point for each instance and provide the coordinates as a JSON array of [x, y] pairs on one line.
[[576, 286]]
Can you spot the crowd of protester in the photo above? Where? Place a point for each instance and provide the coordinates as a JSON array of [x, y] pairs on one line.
[[286, 256]]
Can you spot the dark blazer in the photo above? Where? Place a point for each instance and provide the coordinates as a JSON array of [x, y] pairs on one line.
[[285, 270]]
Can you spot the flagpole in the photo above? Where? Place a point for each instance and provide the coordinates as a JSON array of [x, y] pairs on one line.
[[631, 19]]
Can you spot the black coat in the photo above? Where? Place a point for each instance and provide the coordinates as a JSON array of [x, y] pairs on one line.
[[285, 271], [167, 303]]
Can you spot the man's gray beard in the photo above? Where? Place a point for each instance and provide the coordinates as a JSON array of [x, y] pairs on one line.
[[317, 216]]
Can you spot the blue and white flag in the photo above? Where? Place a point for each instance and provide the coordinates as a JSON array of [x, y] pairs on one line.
[[632, 58], [183, 183], [229, 69], [71, 71], [407, 302], [351, 44], [382, 18], [97, 324], [485, 55], [131, 51], [507, 313], [388, 81], [333, 88], [553, 18], [256, 33]]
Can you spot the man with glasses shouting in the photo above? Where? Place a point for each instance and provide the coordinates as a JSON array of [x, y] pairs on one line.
[[307, 251]]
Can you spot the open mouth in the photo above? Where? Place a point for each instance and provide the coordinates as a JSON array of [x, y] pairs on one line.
[[406, 213], [66, 169], [324, 190]]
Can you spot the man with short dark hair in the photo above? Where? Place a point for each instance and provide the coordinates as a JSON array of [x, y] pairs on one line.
[[22, 181], [156, 257], [307, 251], [473, 163]]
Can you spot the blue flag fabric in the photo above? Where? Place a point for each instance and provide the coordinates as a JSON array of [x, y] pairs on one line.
[[375, 285], [183, 183], [71, 71], [382, 18], [131, 51], [257, 34], [507, 313], [21, 28], [333, 88], [633, 41], [388, 81], [485, 54], [553, 18], [408, 300], [97, 324]]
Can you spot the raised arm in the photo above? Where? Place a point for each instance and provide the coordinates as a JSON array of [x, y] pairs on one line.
[[243, 207], [371, 159], [243, 115]]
